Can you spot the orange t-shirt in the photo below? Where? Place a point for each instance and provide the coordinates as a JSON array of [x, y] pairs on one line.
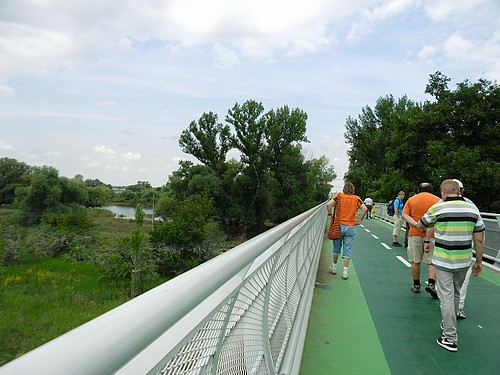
[[349, 204], [416, 207]]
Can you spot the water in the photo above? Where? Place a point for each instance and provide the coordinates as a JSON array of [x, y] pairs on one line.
[[126, 211]]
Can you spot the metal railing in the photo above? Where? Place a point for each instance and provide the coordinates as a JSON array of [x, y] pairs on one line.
[[243, 312], [491, 239]]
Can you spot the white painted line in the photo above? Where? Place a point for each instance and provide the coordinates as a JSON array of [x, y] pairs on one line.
[[404, 261], [386, 246], [374, 236], [368, 230]]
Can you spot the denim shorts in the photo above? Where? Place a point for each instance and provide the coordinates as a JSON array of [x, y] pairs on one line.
[[347, 235]]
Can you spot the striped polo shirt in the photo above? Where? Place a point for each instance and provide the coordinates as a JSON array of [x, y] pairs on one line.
[[455, 221]]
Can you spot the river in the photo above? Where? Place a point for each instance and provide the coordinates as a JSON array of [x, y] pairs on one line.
[[126, 212]]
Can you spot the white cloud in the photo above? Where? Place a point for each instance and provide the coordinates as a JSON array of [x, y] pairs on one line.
[[93, 163], [457, 46], [375, 15], [5, 146], [427, 52], [106, 151], [25, 48], [43, 36], [6, 90], [110, 76], [225, 58], [443, 10], [130, 156]]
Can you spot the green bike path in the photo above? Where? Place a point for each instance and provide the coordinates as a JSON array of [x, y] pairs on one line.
[[373, 324]]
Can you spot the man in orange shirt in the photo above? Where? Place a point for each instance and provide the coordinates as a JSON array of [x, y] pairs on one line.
[[414, 209]]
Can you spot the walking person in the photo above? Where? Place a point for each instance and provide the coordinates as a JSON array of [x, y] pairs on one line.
[[465, 285], [398, 218], [349, 205], [456, 225], [407, 226], [463, 290], [414, 209], [369, 205]]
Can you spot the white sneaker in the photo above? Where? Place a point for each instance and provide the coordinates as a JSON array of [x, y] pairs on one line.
[[345, 276], [461, 314], [333, 270]]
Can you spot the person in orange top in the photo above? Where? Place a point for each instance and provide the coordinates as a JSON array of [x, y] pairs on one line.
[[413, 210], [349, 205]]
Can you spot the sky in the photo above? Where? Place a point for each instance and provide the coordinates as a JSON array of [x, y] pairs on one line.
[[104, 88]]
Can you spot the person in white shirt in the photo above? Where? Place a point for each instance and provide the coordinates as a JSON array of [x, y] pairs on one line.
[[369, 205]]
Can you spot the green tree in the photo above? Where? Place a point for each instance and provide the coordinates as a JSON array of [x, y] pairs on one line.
[[208, 141], [467, 122], [268, 184], [284, 131], [190, 237], [13, 174], [401, 143], [319, 175], [377, 140], [47, 193], [98, 195], [249, 125]]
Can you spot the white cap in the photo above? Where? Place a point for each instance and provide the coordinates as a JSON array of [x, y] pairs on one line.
[[460, 185]]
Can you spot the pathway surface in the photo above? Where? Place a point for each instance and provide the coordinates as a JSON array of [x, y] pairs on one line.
[[373, 324]]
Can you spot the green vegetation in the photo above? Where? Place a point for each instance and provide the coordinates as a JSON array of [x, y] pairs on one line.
[[44, 299], [400, 143], [56, 248], [271, 182], [65, 262], [53, 279]]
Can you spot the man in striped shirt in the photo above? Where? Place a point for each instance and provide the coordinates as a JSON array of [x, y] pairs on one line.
[[456, 224]]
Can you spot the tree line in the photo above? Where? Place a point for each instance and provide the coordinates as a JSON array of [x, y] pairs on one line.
[[400, 143], [394, 146], [202, 205]]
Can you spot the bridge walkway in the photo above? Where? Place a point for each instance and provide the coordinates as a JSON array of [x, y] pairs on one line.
[[373, 324]]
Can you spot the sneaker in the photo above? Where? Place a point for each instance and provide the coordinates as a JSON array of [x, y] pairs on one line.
[[415, 288], [432, 290], [450, 346], [345, 276], [396, 244], [461, 314], [442, 326], [333, 270]]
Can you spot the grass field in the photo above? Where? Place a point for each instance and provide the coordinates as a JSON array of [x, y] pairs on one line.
[[43, 299]]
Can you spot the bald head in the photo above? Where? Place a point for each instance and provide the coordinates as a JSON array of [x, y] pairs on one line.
[[425, 187]]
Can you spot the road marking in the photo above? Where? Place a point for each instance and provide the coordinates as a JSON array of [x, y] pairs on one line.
[[386, 246], [368, 230], [403, 260], [374, 236]]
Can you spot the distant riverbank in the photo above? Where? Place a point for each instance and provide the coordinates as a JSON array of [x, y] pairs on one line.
[[126, 212]]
